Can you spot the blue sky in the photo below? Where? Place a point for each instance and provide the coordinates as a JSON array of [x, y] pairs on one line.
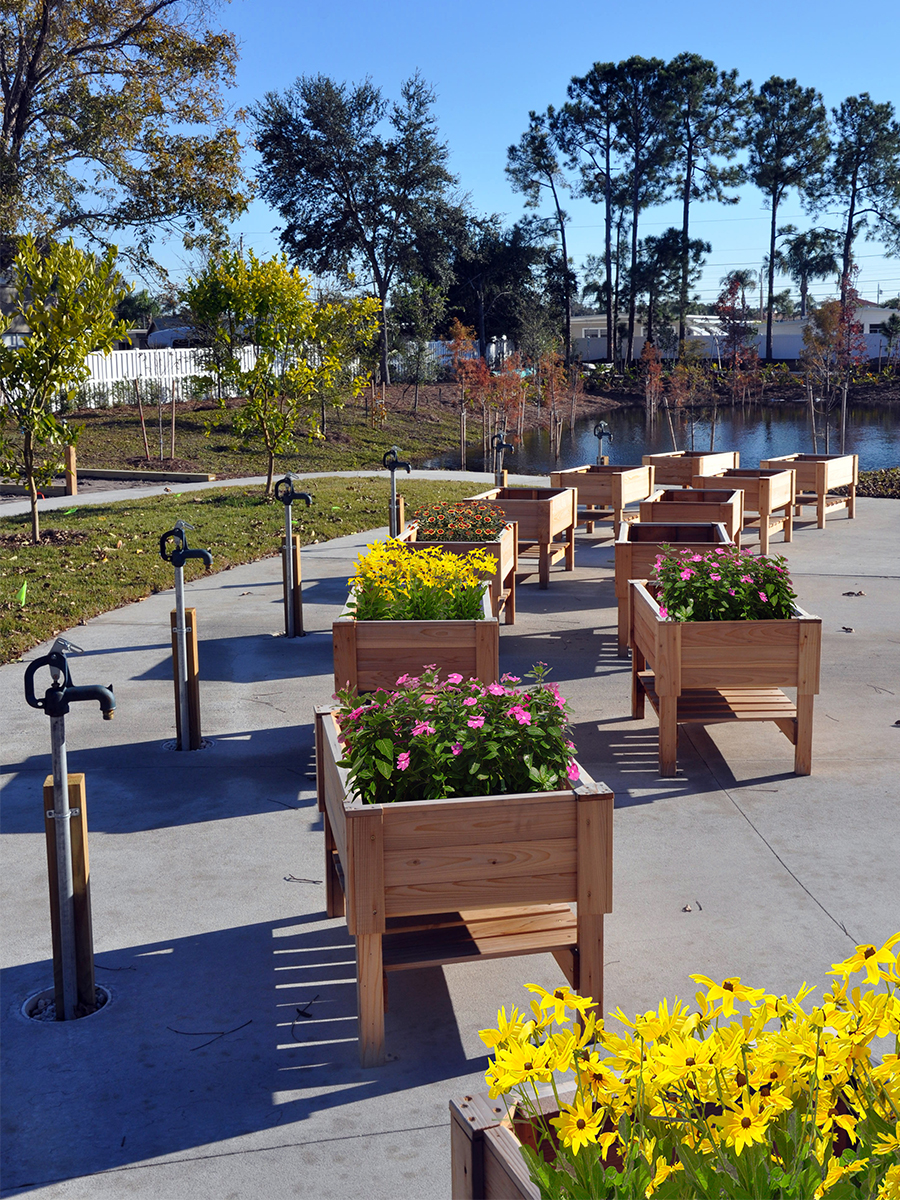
[[490, 63]]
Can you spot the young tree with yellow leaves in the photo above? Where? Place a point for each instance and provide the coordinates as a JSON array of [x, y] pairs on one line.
[[70, 311], [299, 348]]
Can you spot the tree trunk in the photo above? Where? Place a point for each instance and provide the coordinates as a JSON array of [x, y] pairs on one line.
[[567, 289], [610, 331], [771, 281], [685, 226], [632, 292], [270, 475]]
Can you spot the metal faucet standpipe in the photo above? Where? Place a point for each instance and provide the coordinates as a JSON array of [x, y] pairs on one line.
[[284, 491], [392, 463], [601, 431], [497, 447], [55, 703], [177, 557]]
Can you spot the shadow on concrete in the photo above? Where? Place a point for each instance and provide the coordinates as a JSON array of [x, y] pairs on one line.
[[253, 771], [257, 658], [205, 1039]]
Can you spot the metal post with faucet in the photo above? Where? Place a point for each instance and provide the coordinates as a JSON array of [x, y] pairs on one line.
[[284, 491], [55, 703], [601, 431], [177, 557], [497, 447], [392, 463]]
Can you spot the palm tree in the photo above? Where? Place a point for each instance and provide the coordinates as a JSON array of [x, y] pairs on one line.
[[746, 281], [806, 256]]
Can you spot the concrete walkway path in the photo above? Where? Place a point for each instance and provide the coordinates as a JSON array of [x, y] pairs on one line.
[[225, 1064]]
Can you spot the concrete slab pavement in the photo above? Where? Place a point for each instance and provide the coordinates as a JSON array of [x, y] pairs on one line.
[[225, 1064]]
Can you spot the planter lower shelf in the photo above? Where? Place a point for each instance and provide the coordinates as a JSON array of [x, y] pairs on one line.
[[709, 672], [461, 880], [816, 476], [545, 525]]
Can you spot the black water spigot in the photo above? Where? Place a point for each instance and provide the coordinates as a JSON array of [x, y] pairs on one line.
[[498, 444], [601, 431], [63, 692], [392, 463], [284, 492], [180, 554]]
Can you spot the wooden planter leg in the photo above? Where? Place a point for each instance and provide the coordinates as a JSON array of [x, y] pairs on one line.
[[595, 817], [334, 893], [544, 566], [623, 630], [803, 745], [638, 695], [789, 523], [851, 505], [570, 548], [668, 736], [370, 999]]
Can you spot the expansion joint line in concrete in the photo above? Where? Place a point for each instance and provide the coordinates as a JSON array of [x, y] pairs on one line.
[[160, 1164], [770, 847]]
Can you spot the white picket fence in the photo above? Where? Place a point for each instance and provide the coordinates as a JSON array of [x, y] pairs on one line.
[[162, 365]]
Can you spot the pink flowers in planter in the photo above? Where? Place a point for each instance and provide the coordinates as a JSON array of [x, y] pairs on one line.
[[428, 739]]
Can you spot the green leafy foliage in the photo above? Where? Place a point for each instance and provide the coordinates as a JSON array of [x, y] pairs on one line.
[[68, 300], [726, 584], [299, 348], [100, 556], [428, 739]]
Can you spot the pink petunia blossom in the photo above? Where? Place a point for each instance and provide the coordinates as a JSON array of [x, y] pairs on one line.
[[403, 760], [686, 573], [403, 679], [572, 770], [746, 579], [456, 748], [496, 689], [663, 612], [719, 551], [696, 558], [517, 711], [469, 701], [712, 576], [764, 597], [475, 722], [454, 678], [422, 727]]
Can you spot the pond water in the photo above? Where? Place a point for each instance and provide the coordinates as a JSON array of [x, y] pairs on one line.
[[872, 433]]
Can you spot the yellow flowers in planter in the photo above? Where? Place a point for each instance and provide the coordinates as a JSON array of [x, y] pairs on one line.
[[394, 582], [749, 1095]]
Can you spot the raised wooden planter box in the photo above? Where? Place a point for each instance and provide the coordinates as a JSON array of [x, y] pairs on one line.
[[603, 492], [485, 1148], [816, 476], [639, 545], [709, 672], [545, 519], [697, 504], [504, 549], [768, 496], [677, 468], [373, 654], [461, 880]]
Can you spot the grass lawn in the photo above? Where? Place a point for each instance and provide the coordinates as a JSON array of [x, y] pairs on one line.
[[100, 556], [111, 438]]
